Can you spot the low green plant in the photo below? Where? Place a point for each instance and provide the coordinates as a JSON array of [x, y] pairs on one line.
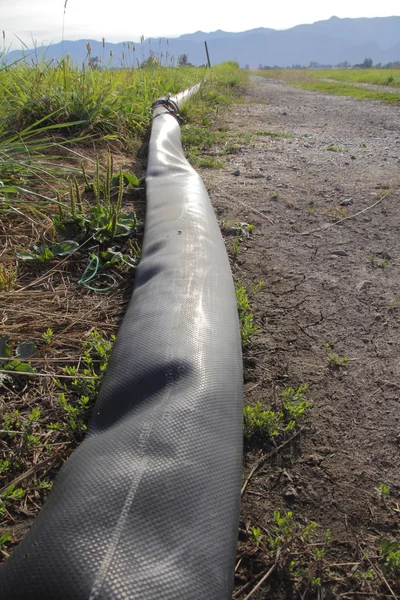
[[390, 552], [338, 212], [15, 362], [333, 148], [81, 390], [235, 245], [208, 162], [48, 336], [273, 134], [4, 539], [383, 489], [269, 424], [45, 252], [246, 317], [336, 361], [104, 221]]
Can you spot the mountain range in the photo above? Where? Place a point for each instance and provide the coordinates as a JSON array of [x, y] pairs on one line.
[[326, 42]]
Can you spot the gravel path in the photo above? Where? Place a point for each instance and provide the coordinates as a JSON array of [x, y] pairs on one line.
[[324, 283]]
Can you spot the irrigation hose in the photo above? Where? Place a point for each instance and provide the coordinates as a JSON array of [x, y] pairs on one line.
[[147, 507]]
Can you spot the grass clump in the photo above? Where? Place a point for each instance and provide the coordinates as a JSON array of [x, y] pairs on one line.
[[269, 424], [246, 317]]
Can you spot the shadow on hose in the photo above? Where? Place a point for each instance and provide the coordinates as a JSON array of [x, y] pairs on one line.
[[147, 507]]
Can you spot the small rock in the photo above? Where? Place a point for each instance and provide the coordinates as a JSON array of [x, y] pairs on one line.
[[338, 188], [347, 163], [385, 254], [353, 157], [269, 177], [284, 113], [346, 202], [339, 253], [314, 459], [290, 494], [364, 284], [236, 173]]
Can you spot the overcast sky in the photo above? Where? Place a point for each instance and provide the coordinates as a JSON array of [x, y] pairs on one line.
[[123, 20]]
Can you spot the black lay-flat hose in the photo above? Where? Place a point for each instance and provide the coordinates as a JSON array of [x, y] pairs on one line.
[[147, 507]]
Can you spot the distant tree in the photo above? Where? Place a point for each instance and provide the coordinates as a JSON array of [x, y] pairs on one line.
[[94, 62], [368, 62], [183, 60], [343, 65], [247, 67]]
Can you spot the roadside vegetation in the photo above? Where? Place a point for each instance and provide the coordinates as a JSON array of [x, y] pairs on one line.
[[72, 167], [346, 82]]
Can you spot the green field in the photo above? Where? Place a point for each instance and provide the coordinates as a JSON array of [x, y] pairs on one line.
[[315, 80], [387, 77]]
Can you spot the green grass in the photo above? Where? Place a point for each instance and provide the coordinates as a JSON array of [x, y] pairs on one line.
[[106, 103], [268, 424], [361, 93], [311, 79], [386, 77]]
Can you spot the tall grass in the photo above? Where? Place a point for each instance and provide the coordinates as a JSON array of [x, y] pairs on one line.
[[90, 101], [50, 110]]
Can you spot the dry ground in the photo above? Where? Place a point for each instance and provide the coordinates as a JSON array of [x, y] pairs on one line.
[[325, 282]]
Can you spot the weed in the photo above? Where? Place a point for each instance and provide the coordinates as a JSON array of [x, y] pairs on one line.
[[334, 148], [80, 392], [338, 212], [15, 362], [390, 552], [383, 489], [257, 287], [8, 277], [4, 539], [336, 361], [384, 263], [273, 134], [48, 336], [246, 317], [274, 195], [230, 148], [235, 246], [270, 424], [209, 163]]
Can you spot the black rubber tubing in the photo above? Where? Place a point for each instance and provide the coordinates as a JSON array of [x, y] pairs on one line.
[[147, 507]]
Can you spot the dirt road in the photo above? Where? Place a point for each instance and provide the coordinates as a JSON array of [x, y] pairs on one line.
[[331, 273]]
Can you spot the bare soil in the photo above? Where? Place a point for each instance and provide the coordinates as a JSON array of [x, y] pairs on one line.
[[325, 282]]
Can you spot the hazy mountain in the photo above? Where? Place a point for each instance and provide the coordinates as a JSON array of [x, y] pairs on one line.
[[325, 42]]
